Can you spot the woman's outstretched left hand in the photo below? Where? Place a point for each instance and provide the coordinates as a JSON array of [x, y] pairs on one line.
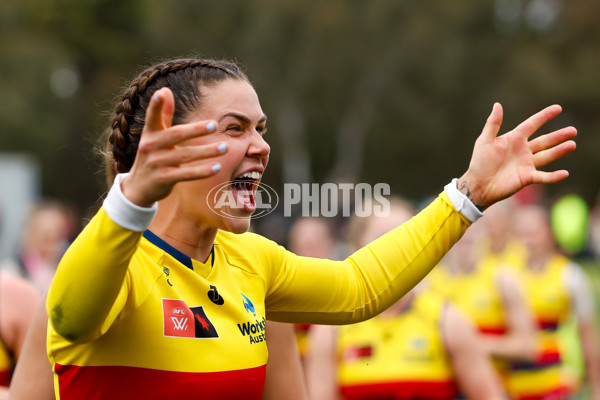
[[502, 165]]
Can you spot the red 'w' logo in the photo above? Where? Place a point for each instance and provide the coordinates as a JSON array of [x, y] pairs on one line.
[[180, 324], [176, 319]]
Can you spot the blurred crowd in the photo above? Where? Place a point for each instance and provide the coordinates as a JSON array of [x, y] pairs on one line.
[[508, 313]]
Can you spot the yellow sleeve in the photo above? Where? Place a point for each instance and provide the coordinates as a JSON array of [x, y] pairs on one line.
[[91, 279], [309, 290]]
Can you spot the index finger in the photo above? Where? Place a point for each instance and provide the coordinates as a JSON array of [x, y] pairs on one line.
[[537, 120], [179, 133]]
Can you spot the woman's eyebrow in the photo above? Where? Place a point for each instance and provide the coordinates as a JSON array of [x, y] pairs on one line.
[[241, 117]]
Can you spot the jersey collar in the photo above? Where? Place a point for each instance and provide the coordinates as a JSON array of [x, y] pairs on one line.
[[173, 252]]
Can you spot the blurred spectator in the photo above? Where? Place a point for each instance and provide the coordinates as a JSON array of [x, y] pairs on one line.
[[18, 302], [309, 237], [501, 247], [479, 281], [47, 233], [285, 378], [33, 378], [556, 289], [420, 348]]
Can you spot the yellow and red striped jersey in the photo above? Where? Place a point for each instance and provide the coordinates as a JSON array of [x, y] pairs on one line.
[[397, 357], [476, 293], [179, 328], [548, 296]]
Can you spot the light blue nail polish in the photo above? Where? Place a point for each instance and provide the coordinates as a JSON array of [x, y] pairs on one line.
[[210, 126], [222, 147], [216, 167], [155, 96]]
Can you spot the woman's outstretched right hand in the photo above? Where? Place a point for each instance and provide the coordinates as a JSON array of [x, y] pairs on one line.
[[164, 156]]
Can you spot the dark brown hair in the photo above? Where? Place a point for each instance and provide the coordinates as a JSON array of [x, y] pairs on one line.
[[184, 77]]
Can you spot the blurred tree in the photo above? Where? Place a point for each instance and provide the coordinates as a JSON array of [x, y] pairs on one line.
[[380, 91]]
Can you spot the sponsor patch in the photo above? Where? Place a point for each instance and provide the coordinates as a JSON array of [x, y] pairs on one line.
[[179, 320]]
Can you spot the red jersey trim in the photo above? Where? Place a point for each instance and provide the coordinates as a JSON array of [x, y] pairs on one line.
[[5, 376], [414, 390], [550, 325], [490, 330], [128, 383]]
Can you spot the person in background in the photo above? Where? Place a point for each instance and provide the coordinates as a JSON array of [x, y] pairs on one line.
[[285, 378], [45, 238], [594, 229], [18, 302], [500, 247], [485, 287], [309, 237], [556, 288], [422, 347], [33, 378]]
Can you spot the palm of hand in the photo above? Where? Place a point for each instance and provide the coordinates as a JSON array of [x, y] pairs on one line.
[[502, 165]]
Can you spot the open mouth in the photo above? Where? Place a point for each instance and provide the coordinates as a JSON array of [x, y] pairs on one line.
[[244, 188]]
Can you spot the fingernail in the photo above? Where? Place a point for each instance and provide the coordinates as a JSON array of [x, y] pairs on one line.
[[155, 96], [210, 126], [216, 167], [222, 147]]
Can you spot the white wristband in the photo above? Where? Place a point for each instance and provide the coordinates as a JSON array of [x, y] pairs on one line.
[[461, 203], [123, 212]]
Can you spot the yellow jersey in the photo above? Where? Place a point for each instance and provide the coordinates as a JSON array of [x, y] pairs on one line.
[[179, 328], [549, 299], [397, 357], [475, 293]]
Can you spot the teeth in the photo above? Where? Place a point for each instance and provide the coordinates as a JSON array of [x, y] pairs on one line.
[[252, 175]]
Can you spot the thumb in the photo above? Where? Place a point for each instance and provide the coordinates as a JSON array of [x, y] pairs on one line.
[[159, 114], [168, 108], [492, 125]]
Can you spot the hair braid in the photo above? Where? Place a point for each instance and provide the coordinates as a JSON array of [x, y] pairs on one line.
[[184, 77]]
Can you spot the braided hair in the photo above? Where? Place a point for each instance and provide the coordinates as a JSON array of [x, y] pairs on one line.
[[184, 77]]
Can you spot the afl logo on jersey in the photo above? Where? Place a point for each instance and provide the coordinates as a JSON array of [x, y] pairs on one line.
[[178, 311]]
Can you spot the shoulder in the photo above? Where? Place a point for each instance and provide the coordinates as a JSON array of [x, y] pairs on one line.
[[247, 245], [16, 288], [18, 300], [251, 252]]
